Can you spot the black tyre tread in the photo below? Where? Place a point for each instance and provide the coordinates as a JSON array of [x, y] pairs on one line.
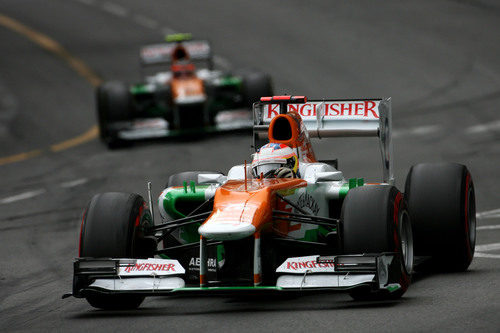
[[108, 231], [436, 199], [107, 235], [367, 217], [256, 85], [113, 104], [365, 211]]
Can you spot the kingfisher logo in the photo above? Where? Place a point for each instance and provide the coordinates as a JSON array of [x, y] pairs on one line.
[[355, 110], [150, 268], [307, 264], [295, 265]]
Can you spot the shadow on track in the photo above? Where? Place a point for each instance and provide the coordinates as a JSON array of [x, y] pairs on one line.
[[211, 305]]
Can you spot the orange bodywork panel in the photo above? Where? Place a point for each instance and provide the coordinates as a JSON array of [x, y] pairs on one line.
[[296, 135], [240, 211], [187, 86]]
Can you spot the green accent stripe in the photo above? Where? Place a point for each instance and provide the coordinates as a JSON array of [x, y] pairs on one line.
[[343, 190]]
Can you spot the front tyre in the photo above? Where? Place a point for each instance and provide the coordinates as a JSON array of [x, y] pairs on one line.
[[255, 85], [442, 206], [375, 219], [113, 227], [114, 104]]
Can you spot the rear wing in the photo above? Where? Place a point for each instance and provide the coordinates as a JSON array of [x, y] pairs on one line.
[[333, 118], [158, 54]]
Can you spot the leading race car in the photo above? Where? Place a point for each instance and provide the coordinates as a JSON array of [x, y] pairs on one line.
[[285, 222], [190, 98]]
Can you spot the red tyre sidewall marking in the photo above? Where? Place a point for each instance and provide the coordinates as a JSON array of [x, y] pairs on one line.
[[81, 233], [139, 216]]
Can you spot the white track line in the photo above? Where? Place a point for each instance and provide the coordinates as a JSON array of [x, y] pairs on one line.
[[22, 196], [419, 130], [488, 247], [423, 130], [146, 21], [114, 9], [488, 227], [486, 255], [87, 2], [74, 183], [495, 125], [168, 31], [488, 214]]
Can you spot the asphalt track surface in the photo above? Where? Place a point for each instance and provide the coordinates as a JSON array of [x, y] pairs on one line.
[[438, 60]]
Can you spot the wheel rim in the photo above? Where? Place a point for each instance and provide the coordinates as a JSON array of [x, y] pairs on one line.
[[406, 241], [471, 218]]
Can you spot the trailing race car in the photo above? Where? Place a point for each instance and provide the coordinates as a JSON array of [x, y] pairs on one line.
[[191, 97], [285, 222]]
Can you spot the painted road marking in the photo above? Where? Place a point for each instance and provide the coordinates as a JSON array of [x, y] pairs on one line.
[[20, 157], [74, 183], [419, 130], [488, 227], [480, 249], [146, 21], [115, 9], [486, 255], [73, 62], [489, 214], [488, 247], [22, 196], [34, 193], [91, 134], [493, 126], [167, 31], [87, 2]]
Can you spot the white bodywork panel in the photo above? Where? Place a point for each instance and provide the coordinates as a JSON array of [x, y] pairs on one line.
[[140, 284], [305, 281]]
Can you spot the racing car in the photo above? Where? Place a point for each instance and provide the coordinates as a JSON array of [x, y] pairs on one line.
[[190, 98], [286, 222]]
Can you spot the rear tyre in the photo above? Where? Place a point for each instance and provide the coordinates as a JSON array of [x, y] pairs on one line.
[[113, 227], [441, 202], [114, 103], [256, 85], [374, 220]]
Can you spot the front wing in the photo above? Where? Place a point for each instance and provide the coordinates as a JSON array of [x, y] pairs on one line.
[[150, 128], [165, 276]]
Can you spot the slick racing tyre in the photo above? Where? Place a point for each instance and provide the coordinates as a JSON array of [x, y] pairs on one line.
[[113, 105], [112, 227], [442, 207], [256, 85], [178, 179], [375, 219]]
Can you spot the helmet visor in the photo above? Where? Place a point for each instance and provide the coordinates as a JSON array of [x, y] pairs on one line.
[[266, 169]]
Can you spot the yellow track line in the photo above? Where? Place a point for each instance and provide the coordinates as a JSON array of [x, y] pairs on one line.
[[20, 157], [73, 62], [78, 140]]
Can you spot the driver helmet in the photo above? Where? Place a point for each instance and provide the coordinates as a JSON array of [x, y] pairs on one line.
[[274, 158]]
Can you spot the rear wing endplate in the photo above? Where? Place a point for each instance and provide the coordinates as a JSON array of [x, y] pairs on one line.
[[334, 118]]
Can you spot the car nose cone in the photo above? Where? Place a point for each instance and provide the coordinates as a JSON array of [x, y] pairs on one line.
[[226, 231]]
